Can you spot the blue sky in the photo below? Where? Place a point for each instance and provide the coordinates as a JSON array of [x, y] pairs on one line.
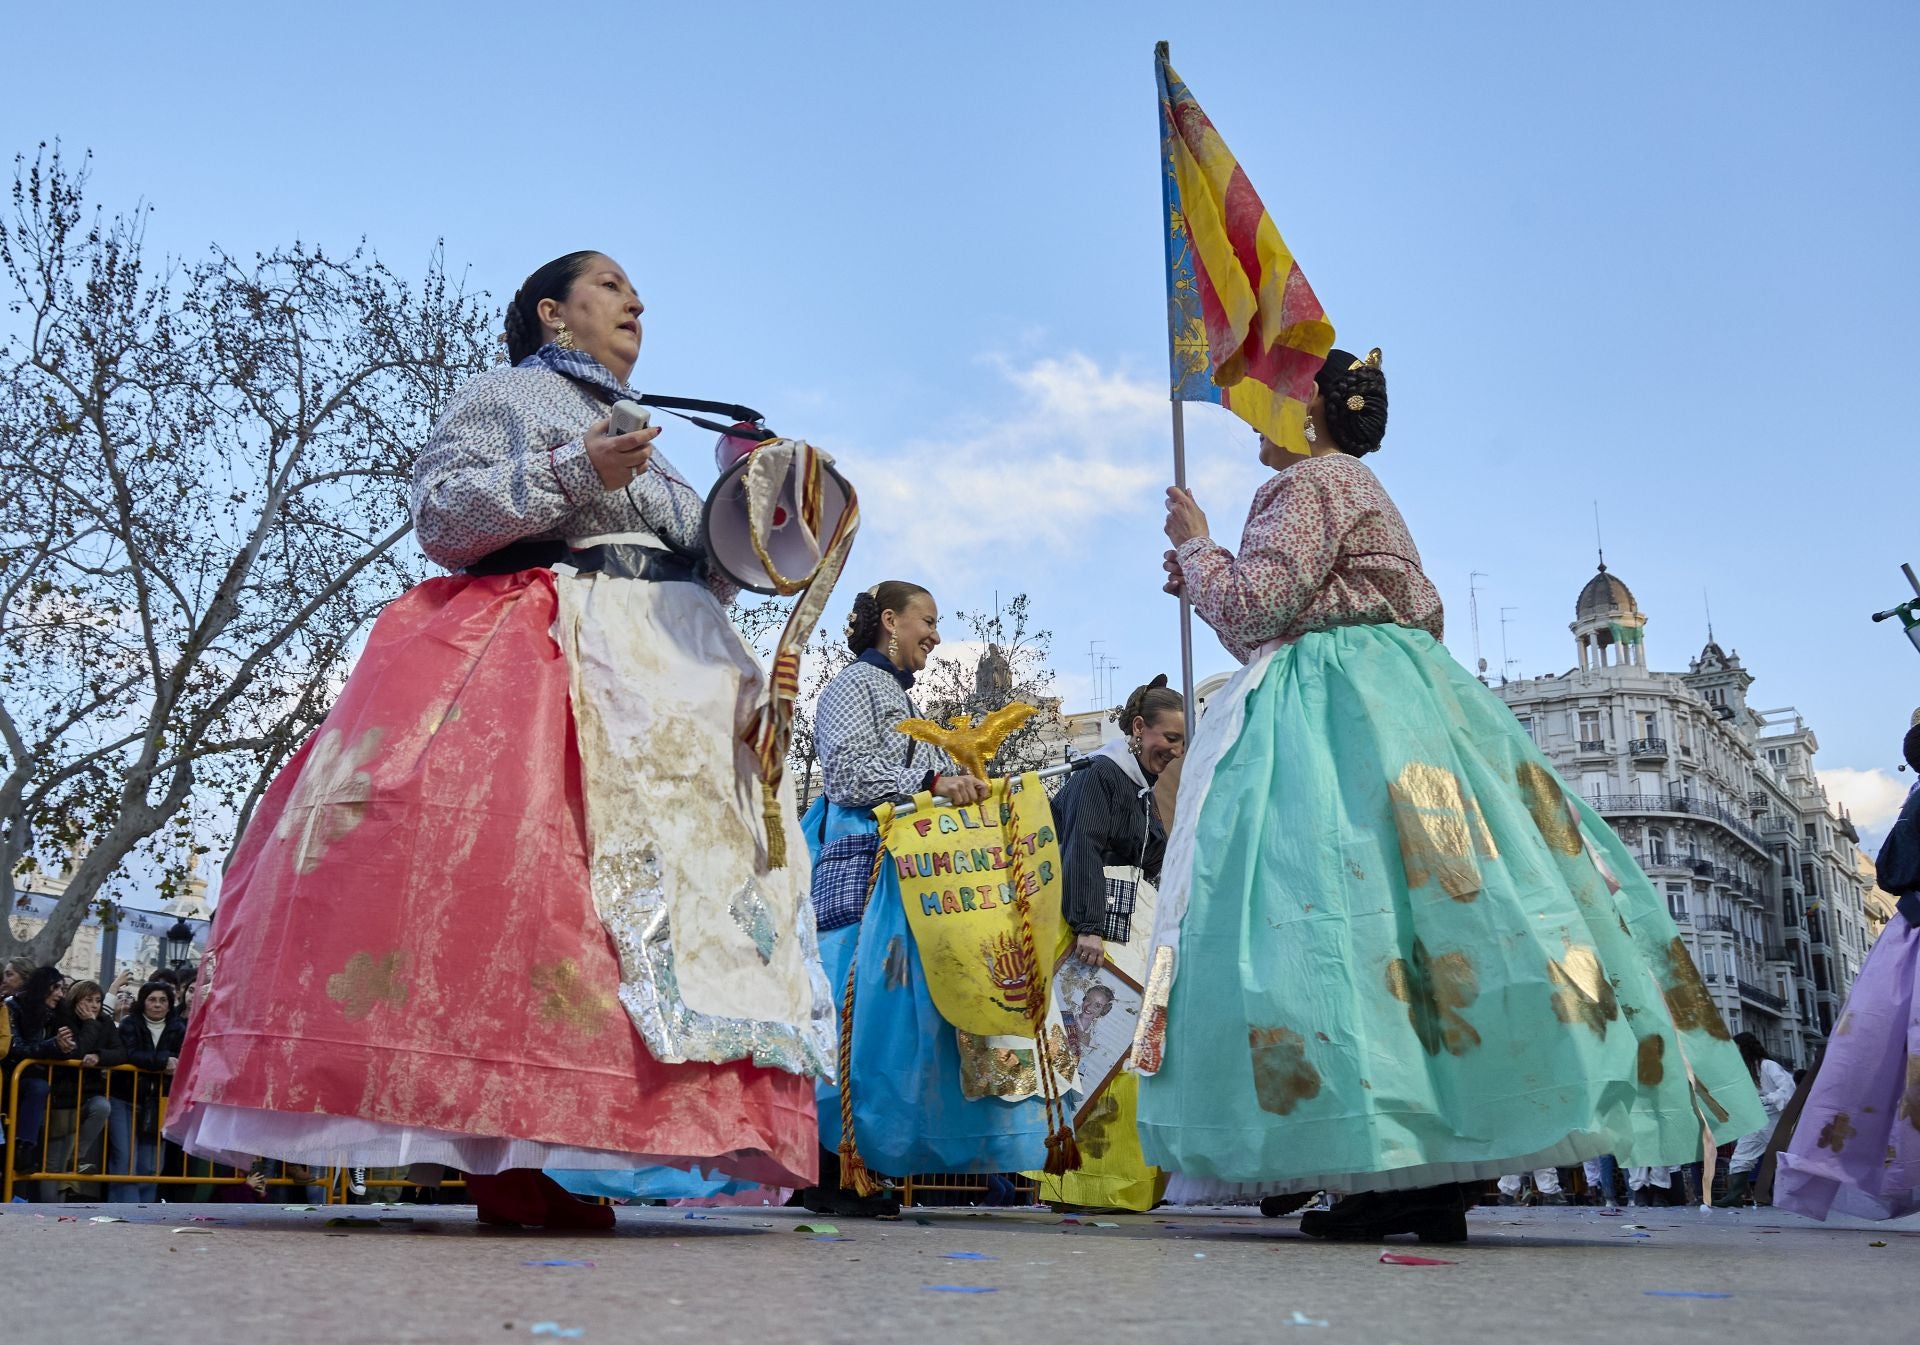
[[1656, 256]]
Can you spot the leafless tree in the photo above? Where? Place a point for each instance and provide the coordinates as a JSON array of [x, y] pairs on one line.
[[1010, 665], [206, 466]]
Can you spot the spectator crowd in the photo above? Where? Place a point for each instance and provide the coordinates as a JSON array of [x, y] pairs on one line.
[[95, 1118]]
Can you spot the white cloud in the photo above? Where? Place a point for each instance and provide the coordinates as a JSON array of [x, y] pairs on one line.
[[1075, 445], [1872, 796]]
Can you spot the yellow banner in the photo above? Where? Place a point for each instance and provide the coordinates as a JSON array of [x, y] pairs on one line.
[[957, 868]]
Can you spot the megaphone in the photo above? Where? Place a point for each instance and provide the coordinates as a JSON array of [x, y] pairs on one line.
[[786, 542]]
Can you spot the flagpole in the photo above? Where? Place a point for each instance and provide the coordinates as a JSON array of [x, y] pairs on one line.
[[1186, 603]]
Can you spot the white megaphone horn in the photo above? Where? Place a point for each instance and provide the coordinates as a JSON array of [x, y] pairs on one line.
[[792, 547]]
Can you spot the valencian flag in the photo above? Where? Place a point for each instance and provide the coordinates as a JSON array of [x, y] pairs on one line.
[[1245, 329]]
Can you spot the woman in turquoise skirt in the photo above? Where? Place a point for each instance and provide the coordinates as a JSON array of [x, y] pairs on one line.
[[1392, 953], [918, 1103]]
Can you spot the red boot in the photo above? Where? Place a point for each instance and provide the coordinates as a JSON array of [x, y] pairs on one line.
[[510, 1197]]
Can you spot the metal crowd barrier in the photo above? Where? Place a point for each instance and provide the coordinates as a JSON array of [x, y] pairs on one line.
[[63, 1116], [58, 1137]]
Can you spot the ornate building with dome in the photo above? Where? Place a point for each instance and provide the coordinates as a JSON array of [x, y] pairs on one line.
[[1721, 806]]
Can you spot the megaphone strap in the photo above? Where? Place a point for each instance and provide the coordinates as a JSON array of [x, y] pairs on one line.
[[677, 406]]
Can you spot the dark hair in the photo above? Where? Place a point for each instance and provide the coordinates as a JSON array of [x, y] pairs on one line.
[[1354, 394], [31, 999], [552, 281], [1752, 1051], [140, 1000], [1910, 747], [863, 623], [1150, 702], [166, 976]]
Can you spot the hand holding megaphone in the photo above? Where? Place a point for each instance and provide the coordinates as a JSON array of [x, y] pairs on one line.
[[621, 445]]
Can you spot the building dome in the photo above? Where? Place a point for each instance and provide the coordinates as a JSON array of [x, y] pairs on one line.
[[1604, 596]]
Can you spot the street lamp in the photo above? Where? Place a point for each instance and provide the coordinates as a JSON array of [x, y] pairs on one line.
[[179, 942]]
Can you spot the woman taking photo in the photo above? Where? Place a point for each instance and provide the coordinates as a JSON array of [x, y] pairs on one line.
[[1112, 840], [528, 827], [916, 1104], [1401, 956]]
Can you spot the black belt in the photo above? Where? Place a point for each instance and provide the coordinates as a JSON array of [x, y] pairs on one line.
[[621, 560]]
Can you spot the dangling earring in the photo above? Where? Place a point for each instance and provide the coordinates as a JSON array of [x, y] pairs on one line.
[[893, 650], [1133, 743], [1313, 435], [564, 338]]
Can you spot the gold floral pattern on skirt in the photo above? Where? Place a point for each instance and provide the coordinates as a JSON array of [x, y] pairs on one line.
[[1835, 1133], [562, 996], [1435, 989], [1650, 1066], [330, 798], [1440, 830], [368, 982], [1283, 1077], [1687, 998], [1583, 994], [1548, 807]]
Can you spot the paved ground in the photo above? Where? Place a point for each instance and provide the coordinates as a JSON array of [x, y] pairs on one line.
[[217, 1273]]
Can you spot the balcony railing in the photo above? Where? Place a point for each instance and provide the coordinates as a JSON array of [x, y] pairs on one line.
[[1762, 997], [1719, 922], [1649, 749], [1592, 747], [1678, 803]]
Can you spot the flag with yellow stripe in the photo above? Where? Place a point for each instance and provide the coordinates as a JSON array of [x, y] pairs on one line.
[[1232, 281]]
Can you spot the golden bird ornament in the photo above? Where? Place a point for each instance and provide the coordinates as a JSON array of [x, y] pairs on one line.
[[971, 745]]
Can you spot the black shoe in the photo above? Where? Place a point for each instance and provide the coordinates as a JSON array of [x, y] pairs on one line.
[[1432, 1214], [1279, 1207]]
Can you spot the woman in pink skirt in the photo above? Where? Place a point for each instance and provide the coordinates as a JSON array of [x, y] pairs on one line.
[[515, 905]]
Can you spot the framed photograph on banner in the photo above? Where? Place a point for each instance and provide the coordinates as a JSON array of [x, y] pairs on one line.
[[1100, 1007]]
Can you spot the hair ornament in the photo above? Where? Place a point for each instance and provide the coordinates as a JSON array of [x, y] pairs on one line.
[[1356, 403], [1372, 361]]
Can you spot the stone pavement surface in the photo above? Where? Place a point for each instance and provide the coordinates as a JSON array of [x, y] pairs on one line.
[[213, 1274]]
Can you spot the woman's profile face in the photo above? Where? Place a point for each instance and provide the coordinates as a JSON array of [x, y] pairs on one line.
[[917, 628], [602, 312], [1163, 740]]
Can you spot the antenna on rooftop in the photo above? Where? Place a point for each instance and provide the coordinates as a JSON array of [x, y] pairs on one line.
[[1473, 606], [1506, 663]]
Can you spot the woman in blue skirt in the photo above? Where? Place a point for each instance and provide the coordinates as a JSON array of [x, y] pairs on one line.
[[919, 1101]]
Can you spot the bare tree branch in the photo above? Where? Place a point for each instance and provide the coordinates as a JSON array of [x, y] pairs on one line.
[[207, 468]]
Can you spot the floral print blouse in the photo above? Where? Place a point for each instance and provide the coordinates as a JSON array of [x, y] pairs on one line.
[[1324, 546]]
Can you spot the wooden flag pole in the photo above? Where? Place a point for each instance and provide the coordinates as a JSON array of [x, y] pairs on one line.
[[1186, 604]]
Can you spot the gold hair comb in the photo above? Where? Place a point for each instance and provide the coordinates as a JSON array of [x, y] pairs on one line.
[[1372, 361]]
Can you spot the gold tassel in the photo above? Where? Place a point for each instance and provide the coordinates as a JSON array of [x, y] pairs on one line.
[[854, 1176], [1063, 1152], [776, 827]]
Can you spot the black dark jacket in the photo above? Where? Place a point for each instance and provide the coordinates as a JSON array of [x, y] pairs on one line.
[[96, 1037], [143, 1054], [1104, 819], [1898, 867], [30, 1042]]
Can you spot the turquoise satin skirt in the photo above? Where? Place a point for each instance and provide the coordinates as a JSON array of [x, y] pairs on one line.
[[1407, 955]]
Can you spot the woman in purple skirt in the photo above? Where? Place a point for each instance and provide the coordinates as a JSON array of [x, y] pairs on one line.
[[1857, 1147]]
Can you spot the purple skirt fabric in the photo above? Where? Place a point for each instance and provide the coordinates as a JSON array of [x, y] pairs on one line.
[[1856, 1150]]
